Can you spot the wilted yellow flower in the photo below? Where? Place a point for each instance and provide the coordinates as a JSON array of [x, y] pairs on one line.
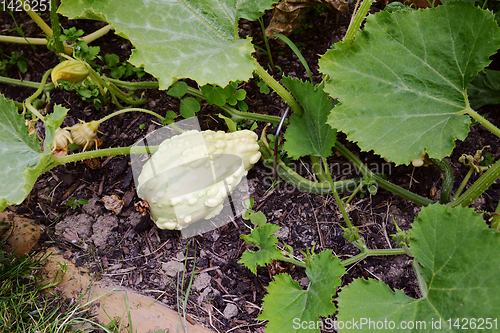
[[61, 142], [70, 70], [85, 134]]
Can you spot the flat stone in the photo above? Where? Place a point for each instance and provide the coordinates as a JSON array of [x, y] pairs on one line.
[[102, 229], [230, 311], [201, 281], [172, 267]]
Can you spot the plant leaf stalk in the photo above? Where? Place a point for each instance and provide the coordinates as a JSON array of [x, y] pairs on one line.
[[56, 27], [28, 84], [38, 20], [238, 114], [462, 185], [266, 41], [481, 185], [380, 181], [354, 231], [279, 89], [357, 20], [480, 119], [355, 259], [30, 99]]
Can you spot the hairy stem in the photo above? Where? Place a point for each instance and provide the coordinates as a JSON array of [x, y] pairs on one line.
[[97, 34], [337, 197], [38, 20], [462, 185], [30, 99], [56, 27], [279, 89], [480, 119], [358, 19], [239, 114], [380, 181], [28, 84], [104, 153], [477, 189], [371, 253]]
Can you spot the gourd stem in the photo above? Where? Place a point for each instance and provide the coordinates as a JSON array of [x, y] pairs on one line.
[[38, 20], [130, 110], [56, 28], [28, 84], [318, 170], [337, 197], [97, 34], [279, 89], [104, 153], [113, 90], [239, 114], [294, 261], [299, 182], [480, 119], [358, 19], [371, 253], [479, 186], [23, 40], [28, 101], [462, 185], [353, 194], [420, 279], [134, 85], [380, 181]]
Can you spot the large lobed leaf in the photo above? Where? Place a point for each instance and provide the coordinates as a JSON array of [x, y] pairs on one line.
[[195, 39], [309, 134], [459, 255], [402, 82], [291, 309], [19, 151]]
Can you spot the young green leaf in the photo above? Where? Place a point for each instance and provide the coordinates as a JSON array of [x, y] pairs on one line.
[[410, 101], [262, 237], [189, 106], [289, 308], [178, 90], [309, 134], [183, 39], [458, 254]]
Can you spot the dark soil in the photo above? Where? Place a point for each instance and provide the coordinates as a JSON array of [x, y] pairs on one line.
[[136, 253]]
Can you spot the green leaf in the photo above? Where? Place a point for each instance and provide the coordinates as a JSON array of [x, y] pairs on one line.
[[111, 59], [195, 39], [484, 89], [22, 159], [189, 106], [402, 82], [258, 219], [309, 134], [52, 122], [262, 237], [291, 309], [231, 125], [214, 95], [458, 253], [178, 90]]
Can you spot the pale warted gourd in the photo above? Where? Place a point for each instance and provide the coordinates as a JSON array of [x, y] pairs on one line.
[[191, 174]]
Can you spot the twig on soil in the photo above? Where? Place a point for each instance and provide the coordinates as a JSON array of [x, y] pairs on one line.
[[384, 227]]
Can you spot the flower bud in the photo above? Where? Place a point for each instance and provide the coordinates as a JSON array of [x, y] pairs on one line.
[[70, 70]]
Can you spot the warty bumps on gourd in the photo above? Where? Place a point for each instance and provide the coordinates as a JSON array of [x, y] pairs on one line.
[[172, 180]]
